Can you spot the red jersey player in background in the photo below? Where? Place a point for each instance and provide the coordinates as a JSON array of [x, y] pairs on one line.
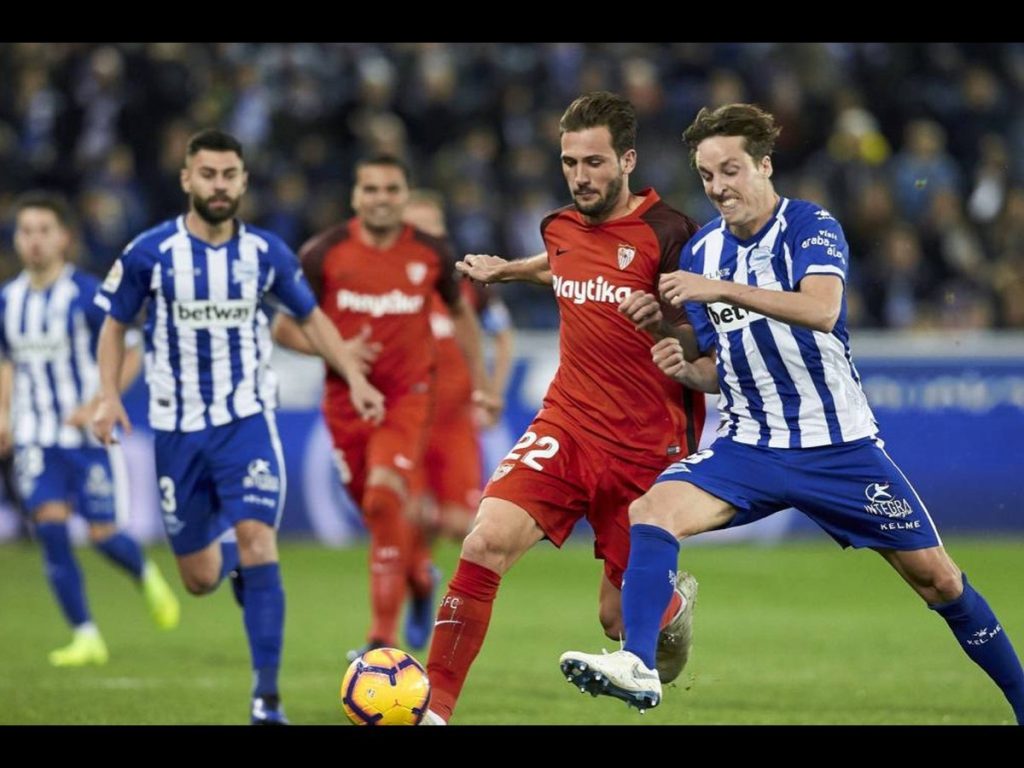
[[374, 277], [448, 485], [610, 422]]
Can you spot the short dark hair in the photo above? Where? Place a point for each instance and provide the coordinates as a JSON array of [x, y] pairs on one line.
[[215, 141], [50, 201], [751, 122], [391, 161], [599, 108]]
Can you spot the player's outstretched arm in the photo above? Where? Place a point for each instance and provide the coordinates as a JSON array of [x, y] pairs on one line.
[[494, 269], [815, 305], [700, 374], [110, 354], [325, 340]]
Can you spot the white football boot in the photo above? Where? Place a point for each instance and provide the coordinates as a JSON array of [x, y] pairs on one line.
[[620, 674]]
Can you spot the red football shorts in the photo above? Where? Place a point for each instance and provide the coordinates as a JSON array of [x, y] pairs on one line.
[[559, 477], [397, 442], [452, 465]]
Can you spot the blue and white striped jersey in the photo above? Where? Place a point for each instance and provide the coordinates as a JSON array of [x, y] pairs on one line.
[[49, 336], [782, 386], [207, 332]]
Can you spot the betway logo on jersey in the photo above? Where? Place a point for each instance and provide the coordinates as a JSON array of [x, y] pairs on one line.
[[40, 349], [726, 317], [599, 289], [380, 304], [229, 313]]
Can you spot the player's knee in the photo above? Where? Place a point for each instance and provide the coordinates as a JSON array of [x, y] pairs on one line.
[[385, 477], [484, 546], [257, 542], [932, 574], [100, 532], [200, 583], [945, 586], [680, 513], [382, 502], [51, 512], [258, 551], [643, 511]]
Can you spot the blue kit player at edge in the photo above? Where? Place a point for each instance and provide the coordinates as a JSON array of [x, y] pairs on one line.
[[49, 328], [221, 474], [764, 287]]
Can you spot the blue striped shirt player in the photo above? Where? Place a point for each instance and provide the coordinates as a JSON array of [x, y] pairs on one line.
[[49, 335], [782, 385], [207, 331], [49, 378], [764, 286], [206, 281]]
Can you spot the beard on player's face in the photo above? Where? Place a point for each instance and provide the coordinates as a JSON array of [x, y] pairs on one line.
[[216, 208], [590, 202]]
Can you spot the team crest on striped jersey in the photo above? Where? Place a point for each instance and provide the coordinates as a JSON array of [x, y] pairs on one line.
[[113, 279], [245, 271], [759, 257], [416, 270], [626, 254]]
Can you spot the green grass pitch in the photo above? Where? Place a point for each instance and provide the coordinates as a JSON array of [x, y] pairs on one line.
[[796, 633]]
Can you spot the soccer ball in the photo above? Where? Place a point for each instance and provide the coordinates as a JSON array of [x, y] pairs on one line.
[[385, 686]]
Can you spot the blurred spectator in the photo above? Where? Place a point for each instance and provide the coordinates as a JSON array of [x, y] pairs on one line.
[[106, 124], [1008, 273], [991, 179], [922, 168], [899, 280]]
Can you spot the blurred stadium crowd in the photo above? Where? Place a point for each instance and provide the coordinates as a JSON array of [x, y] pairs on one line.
[[918, 149]]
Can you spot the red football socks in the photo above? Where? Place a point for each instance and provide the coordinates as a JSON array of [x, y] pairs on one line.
[[420, 579], [390, 535], [462, 620]]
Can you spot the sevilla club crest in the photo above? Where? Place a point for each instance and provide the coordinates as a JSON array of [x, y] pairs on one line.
[[503, 469], [626, 254], [416, 271]]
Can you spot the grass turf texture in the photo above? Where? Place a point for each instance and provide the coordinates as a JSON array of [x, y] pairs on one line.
[[797, 633]]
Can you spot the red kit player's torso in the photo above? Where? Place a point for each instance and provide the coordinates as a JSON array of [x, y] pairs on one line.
[[388, 290], [606, 386]]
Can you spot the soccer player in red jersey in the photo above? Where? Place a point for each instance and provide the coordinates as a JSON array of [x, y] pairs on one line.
[[447, 486], [610, 422], [451, 474], [374, 277]]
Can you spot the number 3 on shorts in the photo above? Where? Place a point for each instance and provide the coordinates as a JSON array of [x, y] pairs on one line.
[[697, 458], [167, 501], [546, 448]]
